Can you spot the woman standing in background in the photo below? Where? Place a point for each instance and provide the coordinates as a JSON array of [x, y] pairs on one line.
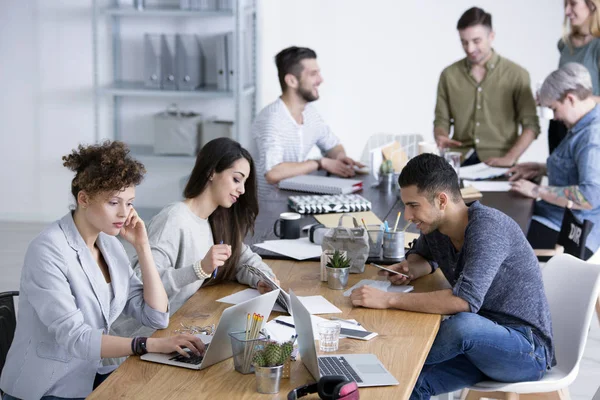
[[581, 44]]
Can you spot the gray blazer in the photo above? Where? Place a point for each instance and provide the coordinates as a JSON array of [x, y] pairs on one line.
[[64, 309]]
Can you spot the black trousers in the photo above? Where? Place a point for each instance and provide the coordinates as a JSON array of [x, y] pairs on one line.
[[556, 133]]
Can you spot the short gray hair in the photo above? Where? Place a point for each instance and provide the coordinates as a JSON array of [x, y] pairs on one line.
[[571, 78]]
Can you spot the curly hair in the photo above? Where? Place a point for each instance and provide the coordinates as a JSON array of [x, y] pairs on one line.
[[104, 167]]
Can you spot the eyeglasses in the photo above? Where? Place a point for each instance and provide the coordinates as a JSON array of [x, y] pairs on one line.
[[194, 330]]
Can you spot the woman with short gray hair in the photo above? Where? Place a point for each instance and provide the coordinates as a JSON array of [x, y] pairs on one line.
[[573, 169]]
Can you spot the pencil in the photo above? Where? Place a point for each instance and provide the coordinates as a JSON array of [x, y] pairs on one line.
[[363, 221], [217, 268], [407, 225], [397, 219]]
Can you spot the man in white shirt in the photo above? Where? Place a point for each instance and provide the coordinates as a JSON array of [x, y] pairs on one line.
[[286, 130]]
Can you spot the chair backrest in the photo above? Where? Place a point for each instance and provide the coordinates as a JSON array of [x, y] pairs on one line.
[[408, 142], [8, 323], [572, 287], [573, 234]]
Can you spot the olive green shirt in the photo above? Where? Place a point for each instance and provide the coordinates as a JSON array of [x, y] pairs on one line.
[[486, 115]]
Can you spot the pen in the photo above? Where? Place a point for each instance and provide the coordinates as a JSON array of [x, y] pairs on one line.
[[285, 323], [216, 269], [345, 320]]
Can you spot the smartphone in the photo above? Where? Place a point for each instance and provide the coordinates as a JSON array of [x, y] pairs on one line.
[[356, 334], [390, 270]]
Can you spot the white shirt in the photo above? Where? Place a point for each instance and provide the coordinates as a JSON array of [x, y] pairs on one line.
[[279, 138]]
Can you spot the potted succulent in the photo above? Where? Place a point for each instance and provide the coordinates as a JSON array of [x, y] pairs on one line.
[[386, 174], [268, 365], [338, 269]]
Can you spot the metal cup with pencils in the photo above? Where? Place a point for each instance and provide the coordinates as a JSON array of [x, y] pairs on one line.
[[245, 344]]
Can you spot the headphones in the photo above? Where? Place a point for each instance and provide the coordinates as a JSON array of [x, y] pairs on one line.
[[329, 387]]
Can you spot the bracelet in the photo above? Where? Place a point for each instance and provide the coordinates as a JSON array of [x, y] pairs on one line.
[[199, 271], [138, 345]]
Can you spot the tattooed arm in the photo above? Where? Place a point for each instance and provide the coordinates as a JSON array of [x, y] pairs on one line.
[[567, 196]]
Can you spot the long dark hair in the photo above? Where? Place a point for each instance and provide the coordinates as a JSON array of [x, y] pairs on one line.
[[231, 225]]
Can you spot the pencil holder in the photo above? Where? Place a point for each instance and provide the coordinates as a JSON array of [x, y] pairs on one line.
[[393, 245], [244, 350]]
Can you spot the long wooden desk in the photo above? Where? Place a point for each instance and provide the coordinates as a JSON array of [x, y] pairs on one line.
[[402, 345]]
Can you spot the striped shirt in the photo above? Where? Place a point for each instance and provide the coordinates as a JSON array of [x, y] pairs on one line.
[[279, 138]]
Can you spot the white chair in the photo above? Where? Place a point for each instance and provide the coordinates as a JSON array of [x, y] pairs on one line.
[[572, 287], [408, 142]]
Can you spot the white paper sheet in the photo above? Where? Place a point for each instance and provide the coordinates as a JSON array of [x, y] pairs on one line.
[[318, 305], [489, 186], [282, 333], [298, 249], [314, 304], [385, 286], [481, 171]]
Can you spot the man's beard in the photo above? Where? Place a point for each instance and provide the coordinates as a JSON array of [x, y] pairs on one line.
[[307, 95]]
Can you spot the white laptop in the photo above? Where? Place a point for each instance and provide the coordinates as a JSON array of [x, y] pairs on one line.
[[365, 369], [233, 319]]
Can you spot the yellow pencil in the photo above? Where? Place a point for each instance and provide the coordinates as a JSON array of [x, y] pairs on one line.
[[397, 219], [363, 221]]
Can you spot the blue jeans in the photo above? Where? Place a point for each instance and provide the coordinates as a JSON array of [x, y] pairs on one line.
[[470, 348]]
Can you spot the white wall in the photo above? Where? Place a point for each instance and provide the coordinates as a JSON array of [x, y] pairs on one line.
[[381, 59], [380, 62]]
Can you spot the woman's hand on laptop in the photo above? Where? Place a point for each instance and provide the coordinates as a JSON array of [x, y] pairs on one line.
[[176, 343]]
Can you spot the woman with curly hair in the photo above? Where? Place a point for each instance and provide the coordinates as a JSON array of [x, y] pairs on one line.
[[76, 280], [199, 241]]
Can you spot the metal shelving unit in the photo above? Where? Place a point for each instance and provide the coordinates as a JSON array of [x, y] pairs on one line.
[[243, 14]]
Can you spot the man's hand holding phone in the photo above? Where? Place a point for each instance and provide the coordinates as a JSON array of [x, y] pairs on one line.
[[398, 274]]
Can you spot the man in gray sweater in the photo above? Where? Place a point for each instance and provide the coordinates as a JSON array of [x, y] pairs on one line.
[[500, 326]]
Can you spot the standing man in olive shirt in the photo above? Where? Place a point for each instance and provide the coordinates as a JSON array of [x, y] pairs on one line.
[[486, 97]]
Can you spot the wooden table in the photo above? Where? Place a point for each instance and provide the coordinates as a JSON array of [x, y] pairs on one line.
[[402, 345]]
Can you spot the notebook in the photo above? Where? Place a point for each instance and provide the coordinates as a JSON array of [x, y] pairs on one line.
[[323, 204], [321, 184]]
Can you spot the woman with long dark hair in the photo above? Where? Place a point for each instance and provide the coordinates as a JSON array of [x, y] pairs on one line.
[[199, 241]]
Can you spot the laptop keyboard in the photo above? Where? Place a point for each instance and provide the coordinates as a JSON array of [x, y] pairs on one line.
[[337, 366], [194, 359]]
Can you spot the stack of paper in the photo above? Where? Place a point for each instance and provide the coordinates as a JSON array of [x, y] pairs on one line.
[[298, 249], [481, 171], [489, 186]]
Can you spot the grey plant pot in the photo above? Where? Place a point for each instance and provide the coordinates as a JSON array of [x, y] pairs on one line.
[[268, 378], [337, 278]]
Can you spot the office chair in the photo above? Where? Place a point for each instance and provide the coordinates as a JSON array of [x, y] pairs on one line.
[[8, 323], [571, 303], [571, 238]]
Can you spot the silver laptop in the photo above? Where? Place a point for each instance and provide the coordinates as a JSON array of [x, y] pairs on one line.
[[365, 369], [233, 319]]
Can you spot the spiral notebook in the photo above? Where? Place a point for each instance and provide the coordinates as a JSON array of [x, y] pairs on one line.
[[321, 184], [328, 203]]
